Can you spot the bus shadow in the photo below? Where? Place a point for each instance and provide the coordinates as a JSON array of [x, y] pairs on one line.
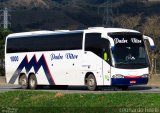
[[135, 88], [83, 88], [131, 88]]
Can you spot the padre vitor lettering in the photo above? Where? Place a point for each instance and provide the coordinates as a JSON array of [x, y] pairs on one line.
[[121, 41]]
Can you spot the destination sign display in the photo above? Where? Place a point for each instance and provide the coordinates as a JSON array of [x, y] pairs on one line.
[[126, 41]]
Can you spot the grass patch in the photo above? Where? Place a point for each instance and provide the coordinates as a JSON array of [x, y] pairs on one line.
[[33, 101]]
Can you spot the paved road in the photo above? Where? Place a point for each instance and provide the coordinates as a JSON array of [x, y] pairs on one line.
[[71, 89]]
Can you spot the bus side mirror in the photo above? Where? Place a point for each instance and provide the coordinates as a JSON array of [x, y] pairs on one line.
[[151, 42]]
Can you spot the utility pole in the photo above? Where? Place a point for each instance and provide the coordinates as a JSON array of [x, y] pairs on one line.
[[4, 16], [108, 14], [4, 23]]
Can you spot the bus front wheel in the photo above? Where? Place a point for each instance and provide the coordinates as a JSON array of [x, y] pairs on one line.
[[32, 81], [23, 81], [91, 82]]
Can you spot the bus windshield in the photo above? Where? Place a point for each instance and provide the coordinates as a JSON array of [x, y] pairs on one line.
[[129, 51]]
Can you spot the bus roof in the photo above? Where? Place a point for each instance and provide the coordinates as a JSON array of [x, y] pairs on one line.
[[37, 33], [110, 30], [91, 29]]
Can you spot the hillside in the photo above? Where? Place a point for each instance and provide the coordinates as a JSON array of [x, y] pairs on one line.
[[72, 14], [141, 15]]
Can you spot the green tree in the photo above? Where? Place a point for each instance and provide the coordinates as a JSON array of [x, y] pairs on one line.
[[126, 21], [3, 34], [151, 28]]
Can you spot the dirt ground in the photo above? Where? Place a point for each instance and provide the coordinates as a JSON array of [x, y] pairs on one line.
[[154, 80], [2, 80]]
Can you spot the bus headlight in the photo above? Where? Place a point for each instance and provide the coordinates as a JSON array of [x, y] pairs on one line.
[[117, 76], [145, 76]]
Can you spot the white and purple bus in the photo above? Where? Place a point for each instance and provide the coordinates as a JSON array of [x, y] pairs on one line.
[[92, 57]]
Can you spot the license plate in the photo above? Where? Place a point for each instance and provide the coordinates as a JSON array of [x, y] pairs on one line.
[[132, 82]]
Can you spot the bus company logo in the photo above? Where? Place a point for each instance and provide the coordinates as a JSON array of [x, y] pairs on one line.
[[116, 40], [124, 41], [36, 65], [66, 56]]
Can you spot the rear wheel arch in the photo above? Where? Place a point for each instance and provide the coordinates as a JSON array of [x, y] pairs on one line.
[[21, 74], [32, 81], [23, 81], [30, 74]]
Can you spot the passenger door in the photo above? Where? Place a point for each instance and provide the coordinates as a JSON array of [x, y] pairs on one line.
[[106, 65], [96, 47]]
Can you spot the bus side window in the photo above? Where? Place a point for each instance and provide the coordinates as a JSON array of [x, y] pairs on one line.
[[93, 43], [98, 45]]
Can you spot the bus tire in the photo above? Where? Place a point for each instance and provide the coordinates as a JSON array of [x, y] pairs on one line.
[[32, 81], [91, 82], [23, 81]]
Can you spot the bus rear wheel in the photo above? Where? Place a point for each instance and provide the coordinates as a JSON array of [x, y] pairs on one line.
[[32, 82], [91, 82], [23, 81]]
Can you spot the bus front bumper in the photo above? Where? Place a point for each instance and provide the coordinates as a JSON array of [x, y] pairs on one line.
[[128, 81]]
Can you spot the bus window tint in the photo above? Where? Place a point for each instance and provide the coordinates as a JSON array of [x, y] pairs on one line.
[[129, 51], [45, 43], [96, 44]]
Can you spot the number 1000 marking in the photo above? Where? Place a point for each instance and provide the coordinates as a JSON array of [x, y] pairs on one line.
[[14, 58]]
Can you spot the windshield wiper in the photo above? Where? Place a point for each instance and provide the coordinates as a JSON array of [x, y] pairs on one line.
[[122, 63]]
